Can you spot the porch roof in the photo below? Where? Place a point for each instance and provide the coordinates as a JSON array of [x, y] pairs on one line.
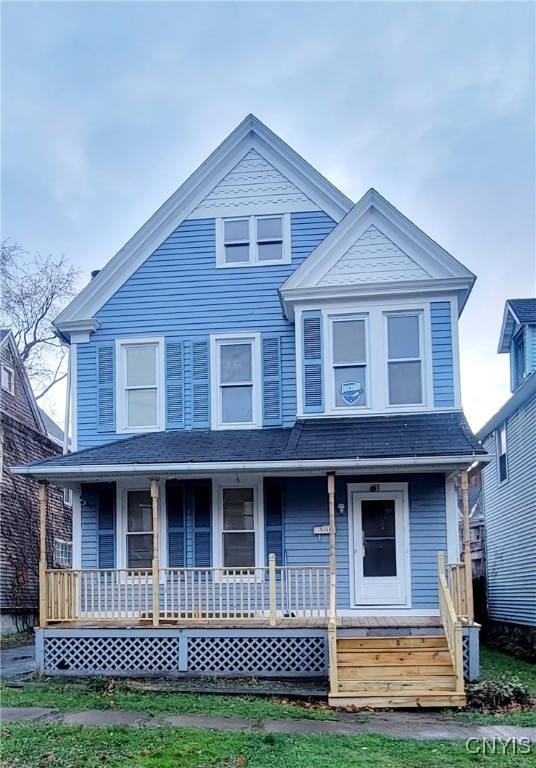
[[435, 439]]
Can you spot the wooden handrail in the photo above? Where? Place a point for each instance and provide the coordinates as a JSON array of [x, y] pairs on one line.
[[451, 624]]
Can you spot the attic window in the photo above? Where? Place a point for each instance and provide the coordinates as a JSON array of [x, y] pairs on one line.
[[518, 348], [8, 379], [248, 240]]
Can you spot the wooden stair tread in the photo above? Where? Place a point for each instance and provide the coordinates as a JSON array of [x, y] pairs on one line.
[[393, 700], [394, 657], [388, 686], [388, 643]]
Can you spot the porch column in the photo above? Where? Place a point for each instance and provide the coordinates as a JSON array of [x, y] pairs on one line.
[[332, 615], [43, 586], [156, 564], [468, 569]]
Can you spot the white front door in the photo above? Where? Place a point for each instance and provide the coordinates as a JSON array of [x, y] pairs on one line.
[[381, 556]]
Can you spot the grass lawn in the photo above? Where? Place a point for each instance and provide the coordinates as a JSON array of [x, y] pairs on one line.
[[33, 746], [71, 698]]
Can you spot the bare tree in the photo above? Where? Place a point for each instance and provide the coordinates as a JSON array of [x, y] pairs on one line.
[[34, 290]]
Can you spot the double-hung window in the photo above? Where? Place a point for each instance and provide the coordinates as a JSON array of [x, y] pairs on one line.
[[140, 384], [238, 535], [404, 359], [139, 530], [237, 394], [349, 361], [502, 465], [248, 240], [8, 379]]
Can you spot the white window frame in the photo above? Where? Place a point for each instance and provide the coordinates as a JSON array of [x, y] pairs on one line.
[[253, 243], [501, 429], [122, 490], [216, 342], [330, 382], [218, 486], [59, 560], [121, 345], [9, 371], [425, 353], [68, 497]]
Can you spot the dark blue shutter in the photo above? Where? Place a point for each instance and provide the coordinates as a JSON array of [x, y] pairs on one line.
[[200, 384], [175, 525], [106, 526], [273, 519], [313, 386], [174, 384], [271, 381], [105, 388], [203, 525]]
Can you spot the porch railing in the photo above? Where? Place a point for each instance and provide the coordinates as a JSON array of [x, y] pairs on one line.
[[457, 586], [451, 623], [273, 593]]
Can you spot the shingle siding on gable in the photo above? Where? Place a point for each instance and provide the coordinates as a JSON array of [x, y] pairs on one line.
[[178, 292], [253, 185], [373, 259], [510, 515]]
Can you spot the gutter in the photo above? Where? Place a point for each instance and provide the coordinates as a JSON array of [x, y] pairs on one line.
[[431, 462]]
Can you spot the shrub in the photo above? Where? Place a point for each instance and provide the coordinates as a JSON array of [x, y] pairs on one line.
[[498, 694]]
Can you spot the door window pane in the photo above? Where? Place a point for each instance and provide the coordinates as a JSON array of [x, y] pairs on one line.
[[238, 509], [141, 407], [350, 386], [236, 405], [405, 383], [139, 513], [379, 538], [349, 341], [239, 550], [141, 366], [403, 333], [235, 363]]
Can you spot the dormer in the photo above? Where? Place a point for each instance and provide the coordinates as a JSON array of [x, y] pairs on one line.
[[518, 339]]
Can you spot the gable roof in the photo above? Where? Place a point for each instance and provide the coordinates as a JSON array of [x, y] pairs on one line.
[[250, 135], [54, 431], [516, 312], [432, 438], [7, 339], [521, 396], [377, 245]]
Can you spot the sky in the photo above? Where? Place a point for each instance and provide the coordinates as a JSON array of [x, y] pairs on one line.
[[107, 108]]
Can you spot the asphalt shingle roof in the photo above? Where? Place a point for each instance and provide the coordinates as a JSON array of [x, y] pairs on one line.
[[419, 435], [525, 309]]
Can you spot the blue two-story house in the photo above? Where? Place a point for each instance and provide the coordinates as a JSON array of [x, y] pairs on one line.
[[266, 425]]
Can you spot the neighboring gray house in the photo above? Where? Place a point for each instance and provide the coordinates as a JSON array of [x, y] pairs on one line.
[[509, 482]]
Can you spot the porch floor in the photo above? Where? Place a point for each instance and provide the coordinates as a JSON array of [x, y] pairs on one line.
[[343, 622]]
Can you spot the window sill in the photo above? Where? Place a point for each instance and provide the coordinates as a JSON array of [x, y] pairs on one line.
[[279, 262]]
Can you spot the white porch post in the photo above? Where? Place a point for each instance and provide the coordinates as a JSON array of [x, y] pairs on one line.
[[332, 615], [156, 564]]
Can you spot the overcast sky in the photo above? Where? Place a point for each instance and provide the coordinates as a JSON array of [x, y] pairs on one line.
[[108, 107]]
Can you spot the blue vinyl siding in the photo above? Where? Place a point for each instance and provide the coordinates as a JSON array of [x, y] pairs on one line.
[[442, 359], [178, 292]]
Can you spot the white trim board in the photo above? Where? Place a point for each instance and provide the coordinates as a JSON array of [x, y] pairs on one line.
[[250, 134]]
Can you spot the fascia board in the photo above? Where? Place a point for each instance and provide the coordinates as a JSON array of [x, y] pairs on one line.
[[251, 134], [10, 339], [504, 340], [268, 466]]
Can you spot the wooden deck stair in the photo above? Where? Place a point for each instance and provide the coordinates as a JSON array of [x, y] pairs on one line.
[[395, 671]]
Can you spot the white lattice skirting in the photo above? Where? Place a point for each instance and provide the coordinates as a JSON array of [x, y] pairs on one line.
[[183, 652]]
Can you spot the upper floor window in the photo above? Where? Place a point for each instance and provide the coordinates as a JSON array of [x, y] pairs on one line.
[[8, 379], [349, 362], [502, 466], [249, 240], [237, 387], [139, 385], [404, 359], [518, 351]]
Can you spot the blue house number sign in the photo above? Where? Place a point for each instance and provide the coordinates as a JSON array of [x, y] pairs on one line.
[[351, 391]]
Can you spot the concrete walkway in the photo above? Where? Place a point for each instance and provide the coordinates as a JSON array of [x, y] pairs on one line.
[[408, 725], [17, 661]]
